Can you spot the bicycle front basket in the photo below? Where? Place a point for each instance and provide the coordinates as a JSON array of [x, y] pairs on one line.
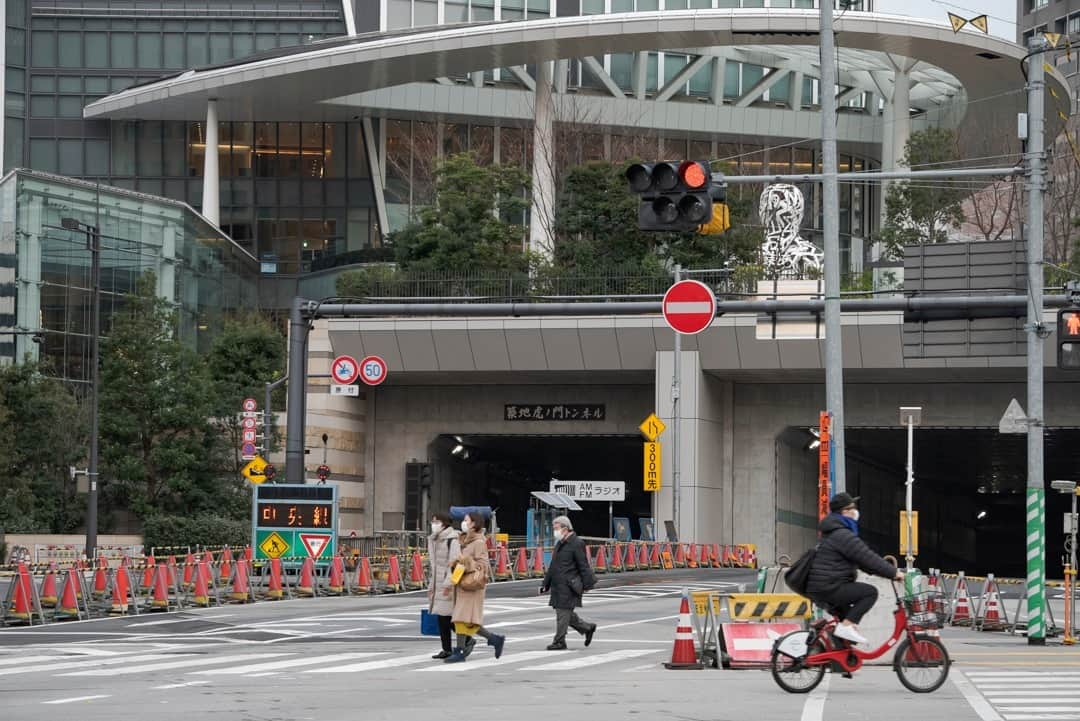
[[926, 609]]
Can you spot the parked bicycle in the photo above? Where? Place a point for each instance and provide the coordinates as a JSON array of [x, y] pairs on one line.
[[799, 659]]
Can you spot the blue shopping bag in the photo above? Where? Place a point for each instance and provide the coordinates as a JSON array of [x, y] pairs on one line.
[[429, 623]]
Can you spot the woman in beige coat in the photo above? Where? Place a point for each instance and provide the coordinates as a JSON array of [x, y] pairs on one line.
[[443, 550], [469, 605]]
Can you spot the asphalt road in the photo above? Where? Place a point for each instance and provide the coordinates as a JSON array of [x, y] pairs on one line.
[[333, 659]]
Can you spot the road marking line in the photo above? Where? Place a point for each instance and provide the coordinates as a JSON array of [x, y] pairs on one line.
[[202, 661], [1041, 717], [814, 708], [593, 660], [1020, 674], [288, 663], [82, 663], [179, 685], [1020, 685], [486, 663], [977, 702], [142, 624], [645, 667], [374, 665], [78, 698], [27, 659], [1059, 708]]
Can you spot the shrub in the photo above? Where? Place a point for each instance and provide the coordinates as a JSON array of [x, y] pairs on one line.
[[202, 530]]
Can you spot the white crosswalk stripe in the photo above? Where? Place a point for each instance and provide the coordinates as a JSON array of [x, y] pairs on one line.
[[591, 660], [479, 664], [172, 665], [288, 663], [1030, 695], [83, 663]]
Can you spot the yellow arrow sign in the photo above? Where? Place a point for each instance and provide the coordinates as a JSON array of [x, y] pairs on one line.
[[652, 427], [253, 471]]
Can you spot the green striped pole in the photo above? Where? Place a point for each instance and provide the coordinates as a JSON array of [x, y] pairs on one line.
[[1036, 565]]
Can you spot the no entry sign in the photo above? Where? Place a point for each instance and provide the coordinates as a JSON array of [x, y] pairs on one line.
[[689, 306]]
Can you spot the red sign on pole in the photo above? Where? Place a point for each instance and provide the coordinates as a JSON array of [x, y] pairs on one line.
[[689, 307], [372, 370], [823, 465]]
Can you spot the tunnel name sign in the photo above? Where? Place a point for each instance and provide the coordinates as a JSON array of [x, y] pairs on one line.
[[294, 522]]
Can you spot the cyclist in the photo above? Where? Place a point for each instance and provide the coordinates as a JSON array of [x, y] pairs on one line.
[[840, 554]]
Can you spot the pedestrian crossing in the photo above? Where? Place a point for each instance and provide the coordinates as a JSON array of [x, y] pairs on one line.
[[1043, 695]]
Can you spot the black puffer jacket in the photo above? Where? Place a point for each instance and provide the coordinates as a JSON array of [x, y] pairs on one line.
[[840, 554], [569, 574]]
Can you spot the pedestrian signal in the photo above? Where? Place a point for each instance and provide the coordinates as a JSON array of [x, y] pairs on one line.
[[1068, 339]]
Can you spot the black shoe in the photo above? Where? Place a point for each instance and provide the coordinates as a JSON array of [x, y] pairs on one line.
[[559, 646], [441, 655], [589, 635], [497, 642], [458, 656], [470, 644]]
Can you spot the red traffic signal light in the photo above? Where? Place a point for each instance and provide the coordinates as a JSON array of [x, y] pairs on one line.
[[1068, 339], [675, 195], [693, 175]]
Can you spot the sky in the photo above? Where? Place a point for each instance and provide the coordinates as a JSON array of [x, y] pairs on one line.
[[1002, 13]]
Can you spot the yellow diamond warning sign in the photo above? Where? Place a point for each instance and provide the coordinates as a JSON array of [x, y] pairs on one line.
[[652, 427], [274, 546]]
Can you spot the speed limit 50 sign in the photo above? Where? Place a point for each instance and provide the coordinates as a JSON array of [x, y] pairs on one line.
[[372, 370]]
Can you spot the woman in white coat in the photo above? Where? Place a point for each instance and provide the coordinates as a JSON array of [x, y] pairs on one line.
[[443, 550]]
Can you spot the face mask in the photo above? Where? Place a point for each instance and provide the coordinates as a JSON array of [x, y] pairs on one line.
[[436, 526], [465, 526], [558, 533], [855, 515]]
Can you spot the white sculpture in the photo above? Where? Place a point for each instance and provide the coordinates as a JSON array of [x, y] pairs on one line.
[[784, 251]]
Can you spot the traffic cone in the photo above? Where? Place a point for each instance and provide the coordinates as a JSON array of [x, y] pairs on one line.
[[683, 655], [680, 556], [241, 589], [336, 584], [121, 591], [22, 603], [189, 568], [69, 601], [521, 565], [703, 556], [992, 616], [601, 561], [714, 555], [101, 578], [393, 575], [275, 588], [306, 586], [537, 563], [616, 559], [148, 572], [416, 571], [47, 594], [174, 578], [643, 557], [201, 595], [225, 570], [160, 584], [691, 561], [654, 559], [961, 614], [247, 553], [363, 576], [502, 567]]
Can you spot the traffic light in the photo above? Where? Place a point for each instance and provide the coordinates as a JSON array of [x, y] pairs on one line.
[[674, 195], [1068, 339]]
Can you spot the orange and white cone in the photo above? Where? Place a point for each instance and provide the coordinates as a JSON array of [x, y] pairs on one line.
[[961, 614], [48, 594], [69, 600], [521, 563], [336, 582], [617, 558], [201, 594], [363, 576], [601, 560], [683, 655], [275, 588], [160, 585], [537, 563], [502, 567], [393, 575], [993, 612], [306, 586]]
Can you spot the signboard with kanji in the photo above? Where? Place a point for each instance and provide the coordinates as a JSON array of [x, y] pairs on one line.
[[293, 522], [591, 490], [554, 412], [651, 467]]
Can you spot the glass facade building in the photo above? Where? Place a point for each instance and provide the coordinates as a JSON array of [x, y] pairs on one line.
[[45, 285]]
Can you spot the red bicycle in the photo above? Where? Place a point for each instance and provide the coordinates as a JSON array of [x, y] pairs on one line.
[[799, 659]]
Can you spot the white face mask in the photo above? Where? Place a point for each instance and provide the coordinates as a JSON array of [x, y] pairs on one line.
[[436, 526], [465, 525], [558, 533], [855, 515]]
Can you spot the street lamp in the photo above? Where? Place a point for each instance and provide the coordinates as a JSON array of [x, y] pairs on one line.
[[93, 244], [910, 416], [1070, 588]]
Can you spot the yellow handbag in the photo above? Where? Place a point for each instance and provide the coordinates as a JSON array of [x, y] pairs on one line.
[[457, 574]]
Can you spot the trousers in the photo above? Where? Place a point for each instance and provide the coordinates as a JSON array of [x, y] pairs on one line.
[[849, 602], [445, 624], [566, 618]]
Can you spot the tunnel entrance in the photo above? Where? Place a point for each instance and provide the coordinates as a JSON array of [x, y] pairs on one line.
[[501, 471]]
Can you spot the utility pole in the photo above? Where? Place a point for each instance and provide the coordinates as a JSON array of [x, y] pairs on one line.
[[1036, 493], [834, 356], [676, 382]]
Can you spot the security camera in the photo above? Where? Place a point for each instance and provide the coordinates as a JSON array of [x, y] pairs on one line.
[[38, 338]]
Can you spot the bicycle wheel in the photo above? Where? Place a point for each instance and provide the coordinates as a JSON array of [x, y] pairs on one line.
[[787, 662], [923, 665]]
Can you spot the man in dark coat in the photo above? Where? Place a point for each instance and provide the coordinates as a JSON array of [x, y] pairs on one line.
[[568, 577], [840, 555]]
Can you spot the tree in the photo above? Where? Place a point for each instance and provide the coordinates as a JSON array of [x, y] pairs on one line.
[[42, 433], [160, 450], [922, 212], [473, 224]]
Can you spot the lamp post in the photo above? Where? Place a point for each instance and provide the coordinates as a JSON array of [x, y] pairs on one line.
[[93, 244], [910, 416], [1070, 487]]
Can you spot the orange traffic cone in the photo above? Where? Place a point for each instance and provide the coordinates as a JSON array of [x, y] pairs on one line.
[[521, 565], [961, 615], [306, 586], [993, 616], [680, 556], [275, 588], [241, 589], [189, 568], [47, 594], [703, 556], [691, 561], [537, 563], [336, 584], [654, 559], [201, 595], [363, 576], [69, 601], [416, 572], [617, 559], [225, 571], [22, 603], [714, 555], [121, 591], [502, 568], [247, 553], [683, 655], [160, 584], [101, 578], [393, 575], [643, 557], [170, 564], [148, 572], [601, 560]]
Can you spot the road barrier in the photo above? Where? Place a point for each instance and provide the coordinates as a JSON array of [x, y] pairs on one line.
[[767, 606]]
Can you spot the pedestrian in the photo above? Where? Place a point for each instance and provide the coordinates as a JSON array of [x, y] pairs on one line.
[[839, 556], [468, 613], [568, 577], [443, 549]]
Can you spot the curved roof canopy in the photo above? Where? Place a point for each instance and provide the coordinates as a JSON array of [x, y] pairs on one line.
[[298, 83]]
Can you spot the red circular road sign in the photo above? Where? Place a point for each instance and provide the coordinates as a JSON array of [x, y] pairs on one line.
[[689, 306], [344, 370], [373, 370], [250, 405]]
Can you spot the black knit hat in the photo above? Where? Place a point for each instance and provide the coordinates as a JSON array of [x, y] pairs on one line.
[[841, 501]]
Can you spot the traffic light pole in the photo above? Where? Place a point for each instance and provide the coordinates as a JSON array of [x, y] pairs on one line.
[[93, 237], [676, 448], [1036, 493]]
